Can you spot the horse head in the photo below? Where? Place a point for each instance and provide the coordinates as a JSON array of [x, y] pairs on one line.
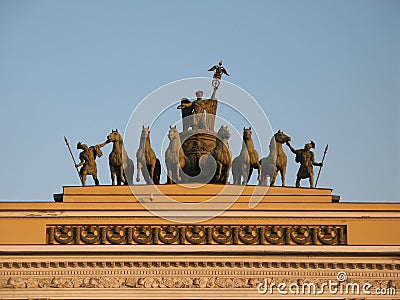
[[173, 133], [223, 133], [145, 132], [280, 137], [247, 134], [114, 136]]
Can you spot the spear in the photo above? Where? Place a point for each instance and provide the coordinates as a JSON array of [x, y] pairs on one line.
[[323, 158], [73, 158]]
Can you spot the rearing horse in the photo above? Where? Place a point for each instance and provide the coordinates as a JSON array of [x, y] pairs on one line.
[[275, 161], [121, 166], [243, 165], [147, 158]]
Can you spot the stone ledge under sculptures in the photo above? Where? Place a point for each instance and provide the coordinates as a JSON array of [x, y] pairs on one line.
[[198, 235]]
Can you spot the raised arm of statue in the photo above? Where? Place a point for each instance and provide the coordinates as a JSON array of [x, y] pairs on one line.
[[103, 144], [291, 147]]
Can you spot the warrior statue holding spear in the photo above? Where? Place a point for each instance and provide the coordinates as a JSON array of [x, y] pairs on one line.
[[306, 159], [88, 161]]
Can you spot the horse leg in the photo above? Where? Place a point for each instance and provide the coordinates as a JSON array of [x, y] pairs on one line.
[[118, 175], [125, 180], [245, 174], [265, 182], [274, 177], [298, 181], [169, 175], [234, 172], [250, 173], [178, 177], [218, 171], [261, 176], [157, 172], [236, 180], [118, 179], [225, 172], [145, 173], [283, 176], [132, 172], [152, 168], [259, 171], [139, 167], [220, 178], [124, 167], [262, 180], [121, 175]]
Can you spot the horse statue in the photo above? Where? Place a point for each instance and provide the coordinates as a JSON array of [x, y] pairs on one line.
[[222, 156], [121, 166], [147, 158], [243, 165], [275, 161], [175, 159]]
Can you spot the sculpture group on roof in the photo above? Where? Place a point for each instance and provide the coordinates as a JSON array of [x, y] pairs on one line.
[[192, 153]]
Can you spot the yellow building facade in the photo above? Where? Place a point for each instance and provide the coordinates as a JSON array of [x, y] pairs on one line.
[[120, 242]]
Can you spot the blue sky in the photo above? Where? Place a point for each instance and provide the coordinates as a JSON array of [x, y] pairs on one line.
[[322, 70]]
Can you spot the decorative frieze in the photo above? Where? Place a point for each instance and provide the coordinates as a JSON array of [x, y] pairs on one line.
[[131, 266], [197, 234], [144, 273], [240, 282]]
